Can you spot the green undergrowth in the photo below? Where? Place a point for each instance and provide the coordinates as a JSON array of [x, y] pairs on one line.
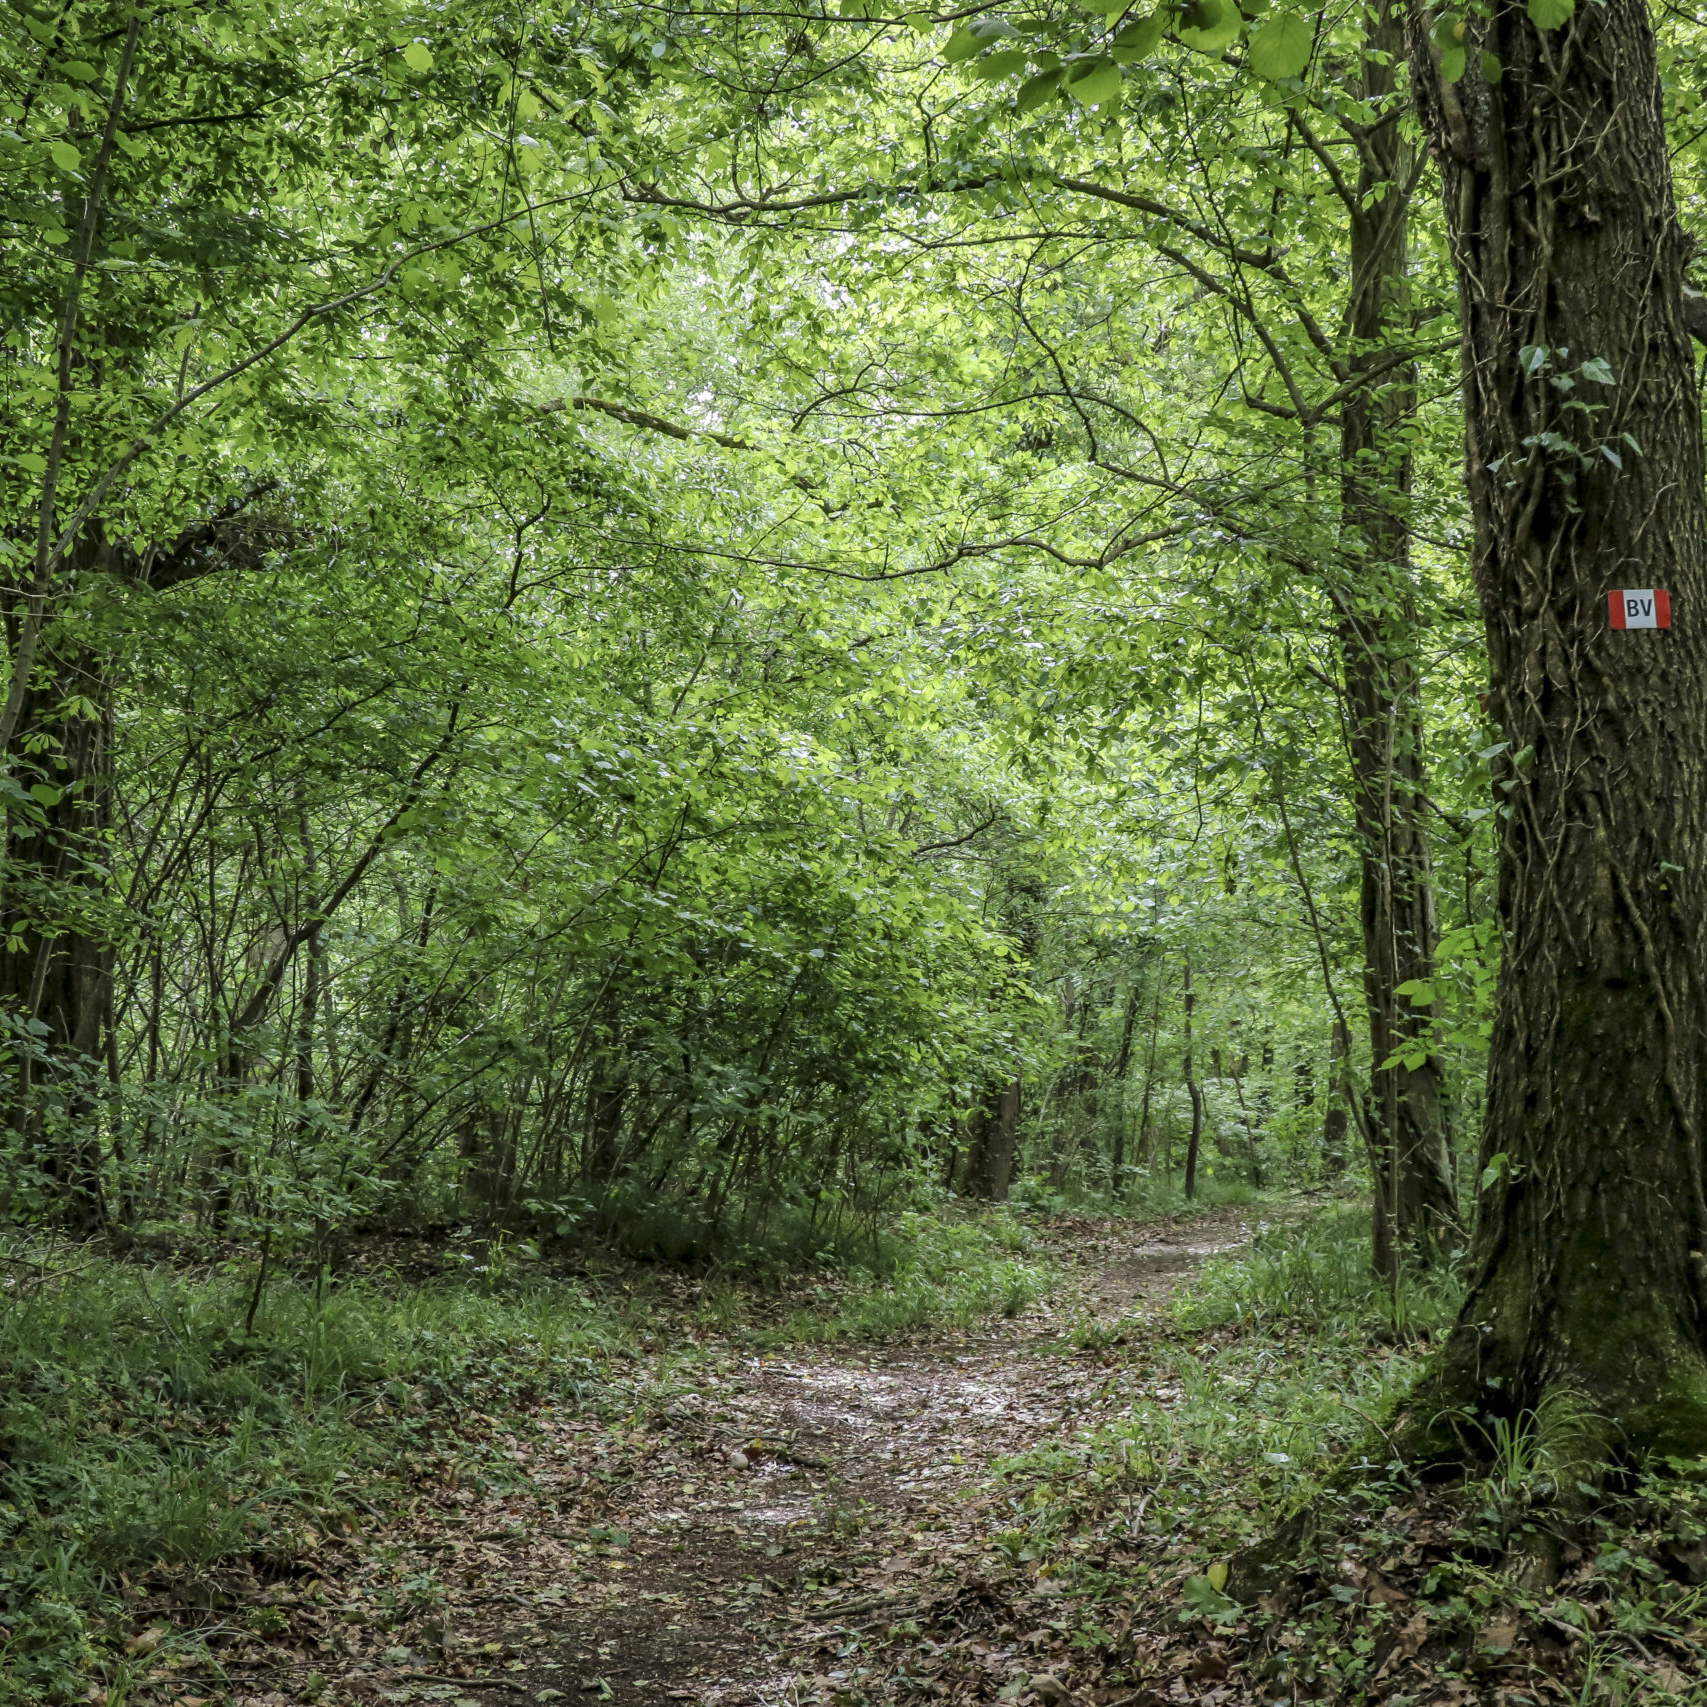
[[1146, 1197], [147, 1427], [142, 1428], [1503, 1587], [1261, 1419], [1213, 1426], [943, 1271], [1315, 1275]]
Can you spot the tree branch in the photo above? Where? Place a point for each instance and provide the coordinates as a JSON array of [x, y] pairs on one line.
[[29, 634]]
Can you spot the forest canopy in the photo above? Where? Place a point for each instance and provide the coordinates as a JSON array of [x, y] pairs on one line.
[[653, 605]]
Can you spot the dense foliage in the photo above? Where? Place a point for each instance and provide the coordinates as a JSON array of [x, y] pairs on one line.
[[623, 618]]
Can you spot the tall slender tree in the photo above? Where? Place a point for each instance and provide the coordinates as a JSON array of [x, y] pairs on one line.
[[1410, 1150]]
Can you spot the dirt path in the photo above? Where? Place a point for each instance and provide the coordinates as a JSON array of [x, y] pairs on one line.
[[742, 1543]]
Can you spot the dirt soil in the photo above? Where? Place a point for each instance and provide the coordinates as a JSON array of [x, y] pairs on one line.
[[754, 1538]]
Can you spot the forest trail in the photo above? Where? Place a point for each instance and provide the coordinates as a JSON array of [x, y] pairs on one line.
[[740, 1543]]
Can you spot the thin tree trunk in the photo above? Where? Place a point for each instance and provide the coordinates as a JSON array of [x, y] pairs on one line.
[[1590, 1261], [1337, 1119], [990, 1160], [1150, 1076], [1383, 686], [1245, 1120], [58, 979], [1193, 1090], [312, 975], [1122, 1061]]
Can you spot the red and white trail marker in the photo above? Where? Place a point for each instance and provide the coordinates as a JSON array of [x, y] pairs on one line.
[[1640, 607]]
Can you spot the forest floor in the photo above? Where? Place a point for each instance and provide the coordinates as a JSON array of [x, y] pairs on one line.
[[768, 1526], [826, 1494]]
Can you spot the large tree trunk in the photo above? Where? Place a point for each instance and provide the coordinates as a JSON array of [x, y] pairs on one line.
[[56, 978], [1415, 1204], [1589, 1273]]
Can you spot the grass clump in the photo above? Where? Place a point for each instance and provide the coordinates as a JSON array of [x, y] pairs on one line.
[[1316, 1276], [1212, 1445], [143, 1429], [940, 1271]]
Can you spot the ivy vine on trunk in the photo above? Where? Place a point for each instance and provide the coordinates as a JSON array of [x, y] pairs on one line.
[[1584, 464]]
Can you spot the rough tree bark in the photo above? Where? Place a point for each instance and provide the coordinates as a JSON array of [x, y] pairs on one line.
[[56, 976], [1588, 1272], [1415, 1205]]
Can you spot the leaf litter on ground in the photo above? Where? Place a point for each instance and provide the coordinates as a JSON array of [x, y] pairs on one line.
[[744, 1514]]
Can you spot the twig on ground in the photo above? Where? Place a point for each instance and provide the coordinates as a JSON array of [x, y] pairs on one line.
[[470, 1682]]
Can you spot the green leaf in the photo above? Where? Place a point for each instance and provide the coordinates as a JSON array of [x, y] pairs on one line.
[[1598, 369], [65, 157], [1034, 91], [1100, 83], [1209, 25], [1495, 1170], [961, 45], [31, 463], [1550, 14], [1448, 30], [1281, 48], [1452, 63], [1138, 40], [44, 794], [996, 66], [417, 57], [1207, 1601], [1492, 70]]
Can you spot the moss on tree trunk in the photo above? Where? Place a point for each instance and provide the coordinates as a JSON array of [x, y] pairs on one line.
[[1584, 464]]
